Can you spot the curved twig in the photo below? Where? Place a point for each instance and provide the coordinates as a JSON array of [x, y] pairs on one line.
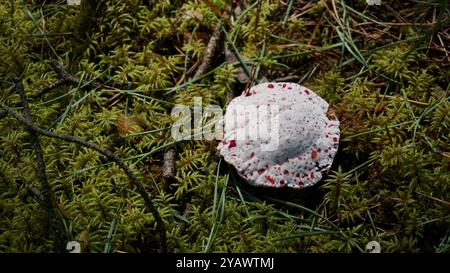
[[55, 224]]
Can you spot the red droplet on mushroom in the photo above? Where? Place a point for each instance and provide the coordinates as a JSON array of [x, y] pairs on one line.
[[293, 156], [270, 179], [232, 144]]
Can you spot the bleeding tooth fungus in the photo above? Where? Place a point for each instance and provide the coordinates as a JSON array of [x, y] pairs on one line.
[[304, 139]]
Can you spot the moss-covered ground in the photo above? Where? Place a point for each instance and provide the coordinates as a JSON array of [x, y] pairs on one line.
[[383, 68]]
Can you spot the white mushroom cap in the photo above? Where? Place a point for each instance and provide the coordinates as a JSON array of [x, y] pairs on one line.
[[300, 145]]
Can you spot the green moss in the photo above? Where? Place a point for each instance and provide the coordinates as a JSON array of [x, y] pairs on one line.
[[390, 181]]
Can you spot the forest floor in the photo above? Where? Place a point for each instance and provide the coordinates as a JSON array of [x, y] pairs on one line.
[[107, 74]]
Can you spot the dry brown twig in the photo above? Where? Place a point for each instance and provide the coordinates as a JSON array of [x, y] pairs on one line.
[[169, 163], [210, 52]]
